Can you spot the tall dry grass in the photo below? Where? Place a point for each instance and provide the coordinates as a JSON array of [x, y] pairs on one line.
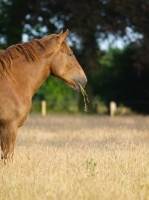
[[79, 158]]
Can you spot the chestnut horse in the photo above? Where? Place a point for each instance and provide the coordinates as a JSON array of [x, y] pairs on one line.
[[23, 68]]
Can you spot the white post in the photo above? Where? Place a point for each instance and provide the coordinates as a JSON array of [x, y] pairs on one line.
[[43, 108], [112, 108]]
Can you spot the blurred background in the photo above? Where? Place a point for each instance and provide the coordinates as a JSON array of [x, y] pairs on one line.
[[110, 39]]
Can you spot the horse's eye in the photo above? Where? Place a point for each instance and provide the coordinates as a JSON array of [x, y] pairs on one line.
[[70, 54]]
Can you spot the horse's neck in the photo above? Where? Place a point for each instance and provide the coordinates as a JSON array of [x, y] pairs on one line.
[[29, 76]]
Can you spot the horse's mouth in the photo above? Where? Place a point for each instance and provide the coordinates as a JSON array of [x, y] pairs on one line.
[[77, 87], [75, 84]]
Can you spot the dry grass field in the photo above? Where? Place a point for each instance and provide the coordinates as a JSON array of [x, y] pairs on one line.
[[62, 157]]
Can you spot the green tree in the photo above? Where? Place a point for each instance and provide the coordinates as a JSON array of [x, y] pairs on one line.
[[57, 94], [54, 89], [120, 82], [12, 20]]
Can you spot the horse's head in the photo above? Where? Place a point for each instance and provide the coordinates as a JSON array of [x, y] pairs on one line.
[[64, 65]]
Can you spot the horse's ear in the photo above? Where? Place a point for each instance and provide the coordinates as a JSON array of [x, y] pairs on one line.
[[63, 36], [60, 33]]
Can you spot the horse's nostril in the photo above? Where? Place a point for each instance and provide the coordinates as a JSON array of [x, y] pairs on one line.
[[83, 82], [80, 79]]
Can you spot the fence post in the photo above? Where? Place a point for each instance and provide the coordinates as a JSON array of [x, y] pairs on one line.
[[43, 108], [112, 108]]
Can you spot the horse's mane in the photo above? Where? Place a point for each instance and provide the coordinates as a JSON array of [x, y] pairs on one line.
[[29, 49]]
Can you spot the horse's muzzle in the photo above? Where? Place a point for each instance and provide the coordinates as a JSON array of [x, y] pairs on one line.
[[81, 80]]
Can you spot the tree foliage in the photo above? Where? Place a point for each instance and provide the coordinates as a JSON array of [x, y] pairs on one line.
[[119, 81], [55, 90]]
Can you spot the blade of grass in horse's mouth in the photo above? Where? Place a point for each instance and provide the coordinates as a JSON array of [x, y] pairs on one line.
[[85, 97]]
